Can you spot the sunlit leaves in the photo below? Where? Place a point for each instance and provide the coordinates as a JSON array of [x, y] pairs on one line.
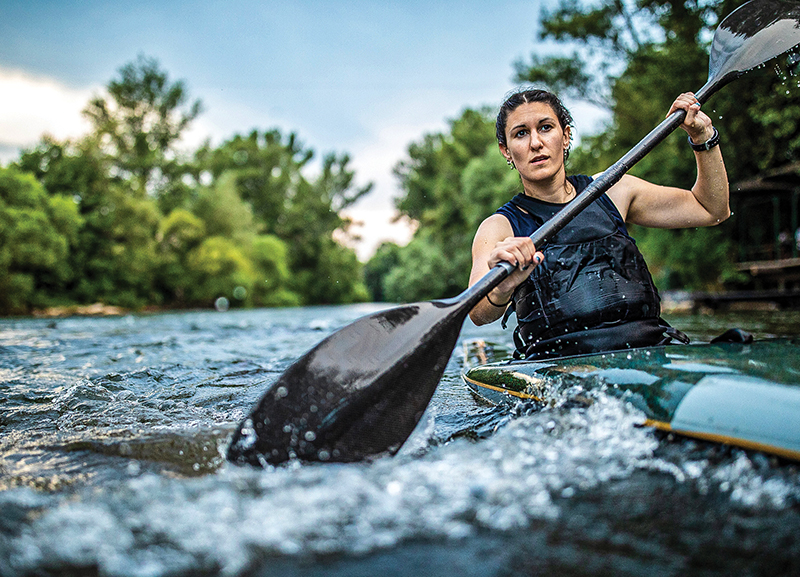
[[36, 233], [123, 217]]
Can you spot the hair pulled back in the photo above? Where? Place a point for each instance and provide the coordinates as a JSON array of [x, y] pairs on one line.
[[525, 96]]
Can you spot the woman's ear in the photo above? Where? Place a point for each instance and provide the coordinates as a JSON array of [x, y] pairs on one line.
[[504, 151]]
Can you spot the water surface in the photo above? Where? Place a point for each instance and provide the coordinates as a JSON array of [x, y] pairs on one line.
[[113, 431]]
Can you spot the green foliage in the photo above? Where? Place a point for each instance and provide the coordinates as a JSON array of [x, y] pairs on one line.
[[36, 233], [267, 171], [425, 272], [218, 268], [335, 278], [386, 258], [697, 259], [431, 177], [179, 233], [223, 212], [120, 217], [265, 166], [269, 255], [140, 122], [638, 58], [452, 181], [120, 253], [113, 257]]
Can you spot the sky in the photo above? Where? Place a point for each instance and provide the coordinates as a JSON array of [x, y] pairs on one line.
[[362, 77]]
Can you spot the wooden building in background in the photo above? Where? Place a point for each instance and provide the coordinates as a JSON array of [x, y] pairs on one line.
[[766, 227]]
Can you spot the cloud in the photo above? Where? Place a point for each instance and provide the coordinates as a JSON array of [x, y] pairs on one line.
[[31, 106], [374, 226], [374, 159]]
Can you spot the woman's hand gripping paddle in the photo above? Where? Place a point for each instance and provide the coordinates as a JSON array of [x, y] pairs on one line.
[[361, 391]]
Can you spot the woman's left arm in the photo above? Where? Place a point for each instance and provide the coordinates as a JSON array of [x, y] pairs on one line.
[[706, 204]]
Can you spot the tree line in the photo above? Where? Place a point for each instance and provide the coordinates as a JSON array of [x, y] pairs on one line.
[[632, 59], [122, 216]]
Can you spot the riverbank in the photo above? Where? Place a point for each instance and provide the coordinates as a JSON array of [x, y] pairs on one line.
[[92, 310]]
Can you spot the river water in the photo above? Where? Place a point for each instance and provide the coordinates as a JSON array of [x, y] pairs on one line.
[[113, 431]]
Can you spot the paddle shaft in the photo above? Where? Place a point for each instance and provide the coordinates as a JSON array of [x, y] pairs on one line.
[[596, 188], [362, 390]]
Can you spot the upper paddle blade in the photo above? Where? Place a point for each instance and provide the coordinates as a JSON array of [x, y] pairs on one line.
[[358, 393], [753, 34]]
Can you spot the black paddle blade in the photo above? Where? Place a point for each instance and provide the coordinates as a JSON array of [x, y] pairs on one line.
[[752, 34], [357, 394]]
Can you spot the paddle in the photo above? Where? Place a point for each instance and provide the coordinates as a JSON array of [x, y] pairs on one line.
[[361, 391]]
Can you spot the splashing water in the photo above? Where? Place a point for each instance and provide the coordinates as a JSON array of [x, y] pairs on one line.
[[114, 431]]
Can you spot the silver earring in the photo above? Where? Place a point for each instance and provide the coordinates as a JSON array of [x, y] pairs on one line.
[[510, 163]]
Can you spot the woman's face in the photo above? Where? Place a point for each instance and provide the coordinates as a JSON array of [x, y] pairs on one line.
[[535, 141]]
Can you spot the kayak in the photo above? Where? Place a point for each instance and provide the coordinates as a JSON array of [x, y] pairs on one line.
[[747, 395]]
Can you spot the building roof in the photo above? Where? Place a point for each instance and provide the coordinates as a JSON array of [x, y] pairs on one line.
[[785, 178]]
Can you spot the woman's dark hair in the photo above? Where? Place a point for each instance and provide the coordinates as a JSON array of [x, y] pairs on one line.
[[524, 96]]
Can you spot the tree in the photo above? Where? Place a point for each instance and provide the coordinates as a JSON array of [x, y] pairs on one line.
[[634, 59], [114, 259], [36, 234], [431, 176], [267, 167], [386, 258], [217, 268], [153, 228], [270, 255], [241, 259], [139, 124], [269, 171], [451, 182]]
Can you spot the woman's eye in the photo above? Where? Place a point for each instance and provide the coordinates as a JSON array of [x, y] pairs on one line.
[[521, 133], [546, 127]]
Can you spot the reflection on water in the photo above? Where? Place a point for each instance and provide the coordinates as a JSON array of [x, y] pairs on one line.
[[113, 432]]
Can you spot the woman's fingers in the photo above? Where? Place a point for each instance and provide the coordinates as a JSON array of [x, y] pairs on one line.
[[518, 251], [696, 123]]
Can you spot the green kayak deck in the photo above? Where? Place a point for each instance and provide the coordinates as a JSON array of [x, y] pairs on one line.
[[746, 395]]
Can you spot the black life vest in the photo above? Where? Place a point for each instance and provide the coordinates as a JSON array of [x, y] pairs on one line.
[[592, 293]]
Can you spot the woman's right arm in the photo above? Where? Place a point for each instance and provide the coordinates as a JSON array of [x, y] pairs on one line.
[[494, 242]]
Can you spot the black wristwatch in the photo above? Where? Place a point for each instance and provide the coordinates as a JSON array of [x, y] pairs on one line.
[[708, 144]]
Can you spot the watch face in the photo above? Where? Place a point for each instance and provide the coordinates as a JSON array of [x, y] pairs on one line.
[[708, 144]]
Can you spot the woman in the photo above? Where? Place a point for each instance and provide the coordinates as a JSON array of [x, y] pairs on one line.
[[591, 290]]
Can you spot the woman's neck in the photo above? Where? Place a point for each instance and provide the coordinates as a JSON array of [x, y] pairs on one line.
[[557, 190]]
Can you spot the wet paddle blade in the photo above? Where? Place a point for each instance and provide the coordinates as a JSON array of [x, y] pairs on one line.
[[751, 35], [361, 391], [357, 394]]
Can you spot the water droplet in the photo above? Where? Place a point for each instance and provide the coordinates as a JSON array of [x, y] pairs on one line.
[[310, 436], [394, 487], [239, 293]]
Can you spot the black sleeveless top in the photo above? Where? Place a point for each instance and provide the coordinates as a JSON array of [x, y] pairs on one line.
[[593, 291]]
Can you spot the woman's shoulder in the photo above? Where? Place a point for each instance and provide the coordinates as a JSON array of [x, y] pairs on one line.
[[495, 226], [495, 221]]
